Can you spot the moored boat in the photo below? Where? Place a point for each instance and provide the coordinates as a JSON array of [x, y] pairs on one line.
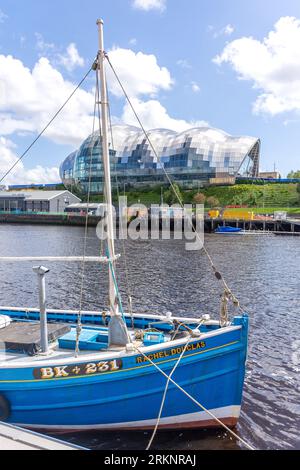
[[115, 387], [75, 370], [228, 230]]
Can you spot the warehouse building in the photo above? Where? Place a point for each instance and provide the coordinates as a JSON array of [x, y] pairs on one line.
[[36, 201]]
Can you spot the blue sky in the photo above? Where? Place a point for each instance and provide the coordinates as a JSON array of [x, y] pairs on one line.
[[231, 63]]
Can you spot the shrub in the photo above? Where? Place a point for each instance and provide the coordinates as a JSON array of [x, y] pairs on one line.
[[199, 198], [212, 202]]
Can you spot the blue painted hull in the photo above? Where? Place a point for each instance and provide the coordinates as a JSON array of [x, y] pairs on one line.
[[228, 230], [129, 394]]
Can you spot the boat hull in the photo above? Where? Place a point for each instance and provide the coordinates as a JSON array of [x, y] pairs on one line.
[[125, 392], [199, 420]]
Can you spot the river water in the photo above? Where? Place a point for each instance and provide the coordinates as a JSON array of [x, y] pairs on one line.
[[264, 273]]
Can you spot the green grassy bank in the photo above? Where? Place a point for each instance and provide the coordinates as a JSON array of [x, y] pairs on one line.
[[262, 198]]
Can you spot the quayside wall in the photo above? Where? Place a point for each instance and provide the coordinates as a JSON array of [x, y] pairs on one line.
[[267, 224]]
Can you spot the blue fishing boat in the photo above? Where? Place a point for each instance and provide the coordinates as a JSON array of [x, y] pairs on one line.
[[110, 386], [228, 230], [63, 370]]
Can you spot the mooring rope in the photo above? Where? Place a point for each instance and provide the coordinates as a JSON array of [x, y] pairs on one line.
[[169, 378], [166, 389]]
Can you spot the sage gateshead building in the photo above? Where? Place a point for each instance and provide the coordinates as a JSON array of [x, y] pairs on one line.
[[192, 158]]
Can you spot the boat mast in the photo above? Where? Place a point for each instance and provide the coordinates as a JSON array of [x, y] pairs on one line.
[[106, 164]]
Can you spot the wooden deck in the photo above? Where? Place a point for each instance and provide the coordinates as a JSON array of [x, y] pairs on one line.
[[15, 438]]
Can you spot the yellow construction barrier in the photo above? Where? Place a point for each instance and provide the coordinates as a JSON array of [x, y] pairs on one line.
[[238, 214], [213, 214]]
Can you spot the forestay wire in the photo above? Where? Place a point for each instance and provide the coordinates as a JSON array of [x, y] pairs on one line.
[[229, 294], [121, 228]]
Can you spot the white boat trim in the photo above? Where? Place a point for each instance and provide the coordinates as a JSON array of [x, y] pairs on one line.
[[226, 412], [100, 314], [64, 259], [63, 357]]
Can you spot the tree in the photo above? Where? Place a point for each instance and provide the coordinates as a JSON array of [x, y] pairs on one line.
[[298, 191], [294, 174], [199, 198], [212, 202], [173, 194]]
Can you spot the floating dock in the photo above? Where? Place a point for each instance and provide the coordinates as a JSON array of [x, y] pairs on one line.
[[15, 438], [287, 234], [284, 226]]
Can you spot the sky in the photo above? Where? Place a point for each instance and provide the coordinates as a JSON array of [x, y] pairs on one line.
[[228, 64]]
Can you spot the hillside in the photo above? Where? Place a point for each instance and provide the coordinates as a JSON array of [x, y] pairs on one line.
[[278, 195], [283, 195]]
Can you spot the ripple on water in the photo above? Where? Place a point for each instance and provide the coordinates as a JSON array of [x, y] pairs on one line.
[[264, 272]]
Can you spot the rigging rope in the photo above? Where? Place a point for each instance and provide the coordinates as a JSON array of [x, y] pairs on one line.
[[46, 127], [227, 293], [217, 273], [128, 286], [105, 197], [79, 325]]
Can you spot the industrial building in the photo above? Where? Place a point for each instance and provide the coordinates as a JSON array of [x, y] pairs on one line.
[[36, 201], [201, 155], [274, 175]]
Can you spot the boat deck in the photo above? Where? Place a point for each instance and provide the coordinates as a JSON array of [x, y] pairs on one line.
[[9, 358], [15, 438], [93, 339], [57, 353]]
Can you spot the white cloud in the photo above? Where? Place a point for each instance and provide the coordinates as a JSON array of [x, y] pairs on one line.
[[20, 175], [139, 73], [273, 65], [43, 46], [143, 77], [195, 87], [29, 98], [22, 40], [133, 42], [183, 63], [154, 115], [3, 16], [147, 5], [226, 31], [71, 59]]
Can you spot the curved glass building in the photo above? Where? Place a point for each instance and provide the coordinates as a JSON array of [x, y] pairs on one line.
[[196, 156]]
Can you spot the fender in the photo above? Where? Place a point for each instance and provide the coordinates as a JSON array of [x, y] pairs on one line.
[[4, 408]]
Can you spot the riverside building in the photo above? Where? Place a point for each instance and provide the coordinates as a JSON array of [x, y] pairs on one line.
[[195, 157]]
